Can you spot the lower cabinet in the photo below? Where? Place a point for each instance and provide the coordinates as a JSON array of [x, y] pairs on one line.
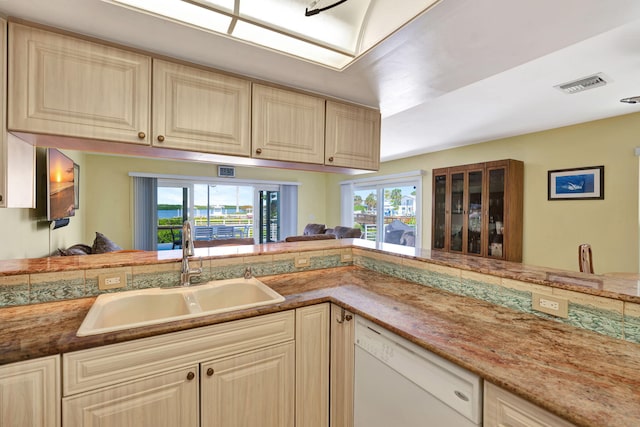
[[252, 389], [341, 356], [312, 366], [504, 409], [166, 400], [30, 393]]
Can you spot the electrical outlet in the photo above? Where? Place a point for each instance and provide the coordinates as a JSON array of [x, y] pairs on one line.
[[553, 305], [346, 257], [302, 261], [112, 280]]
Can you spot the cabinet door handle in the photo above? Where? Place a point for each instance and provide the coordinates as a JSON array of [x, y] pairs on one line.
[[142, 135], [330, 159], [161, 138], [191, 376], [210, 372], [258, 150]]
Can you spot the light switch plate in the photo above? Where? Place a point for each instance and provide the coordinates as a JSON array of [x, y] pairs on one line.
[[549, 304], [112, 280]]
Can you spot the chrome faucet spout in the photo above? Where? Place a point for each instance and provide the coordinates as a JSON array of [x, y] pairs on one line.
[[187, 250]]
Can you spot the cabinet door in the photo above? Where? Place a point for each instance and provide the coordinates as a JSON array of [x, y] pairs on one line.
[[287, 126], [166, 400], [342, 357], [474, 217], [457, 200], [352, 136], [30, 393], [200, 110], [503, 409], [440, 210], [61, 85], [312, 366], [496, 210], [251, 389]]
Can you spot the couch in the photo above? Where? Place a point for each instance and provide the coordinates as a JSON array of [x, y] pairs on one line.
[[320, 232]]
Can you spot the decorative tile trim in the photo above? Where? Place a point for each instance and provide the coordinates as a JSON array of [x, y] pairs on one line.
[[598, 314]]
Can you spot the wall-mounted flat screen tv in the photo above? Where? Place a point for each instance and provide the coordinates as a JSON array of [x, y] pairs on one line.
[[60, 188]]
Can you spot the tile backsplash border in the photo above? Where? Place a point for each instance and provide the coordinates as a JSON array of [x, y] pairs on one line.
[[611, 317]]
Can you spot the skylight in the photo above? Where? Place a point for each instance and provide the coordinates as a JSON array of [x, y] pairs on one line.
[[333, 37]]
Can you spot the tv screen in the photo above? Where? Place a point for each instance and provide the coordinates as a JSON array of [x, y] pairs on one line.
[[60, 186]]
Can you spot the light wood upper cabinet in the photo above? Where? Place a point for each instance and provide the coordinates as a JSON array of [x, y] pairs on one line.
[[30, 393], [252, 389], [166, 400], [200, 110], [287, 126], [62, 85], [312, 366], [352, 136]]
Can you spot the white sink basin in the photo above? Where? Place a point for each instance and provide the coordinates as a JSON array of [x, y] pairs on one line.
[[132, 309]]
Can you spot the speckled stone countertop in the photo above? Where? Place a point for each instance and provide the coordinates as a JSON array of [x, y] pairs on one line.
[[586, 378]]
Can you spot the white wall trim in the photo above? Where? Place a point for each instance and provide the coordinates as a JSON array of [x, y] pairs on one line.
[[212, 179], [384, 179]]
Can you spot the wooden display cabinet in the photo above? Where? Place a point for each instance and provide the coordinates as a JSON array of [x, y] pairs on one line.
[[477, 209]]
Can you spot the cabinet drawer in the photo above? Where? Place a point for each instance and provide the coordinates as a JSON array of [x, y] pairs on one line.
[[98, 367]]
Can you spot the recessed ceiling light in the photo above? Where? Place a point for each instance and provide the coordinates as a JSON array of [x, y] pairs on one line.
[[631, 100]]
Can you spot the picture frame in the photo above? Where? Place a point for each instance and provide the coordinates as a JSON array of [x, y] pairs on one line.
[[585, 183], [76, 186]]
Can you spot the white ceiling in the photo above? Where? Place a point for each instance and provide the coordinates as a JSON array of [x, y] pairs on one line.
[[465, 72]]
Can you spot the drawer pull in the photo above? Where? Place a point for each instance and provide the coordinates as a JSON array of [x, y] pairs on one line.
[[191, 376], [209, 372]]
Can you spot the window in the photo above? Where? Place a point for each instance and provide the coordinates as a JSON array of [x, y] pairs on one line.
[[217, 210], [386, 209]]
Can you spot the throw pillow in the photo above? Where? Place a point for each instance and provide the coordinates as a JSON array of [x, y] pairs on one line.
[[79, 249], [102, 245]]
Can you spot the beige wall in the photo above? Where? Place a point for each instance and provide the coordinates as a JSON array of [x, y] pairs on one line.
[[110, 199], [25, 235], [553, 229]]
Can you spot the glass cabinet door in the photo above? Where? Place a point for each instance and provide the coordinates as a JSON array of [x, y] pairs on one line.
[[457, 211], [496, 212], [439, 211], [474, 213]]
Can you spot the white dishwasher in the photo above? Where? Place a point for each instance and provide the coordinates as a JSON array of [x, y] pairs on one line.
[[400, 384]]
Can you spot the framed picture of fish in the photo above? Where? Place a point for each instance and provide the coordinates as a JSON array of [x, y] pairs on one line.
[[576, 184]]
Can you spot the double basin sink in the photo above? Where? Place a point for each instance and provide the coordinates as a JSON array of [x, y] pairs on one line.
[[132, 309]]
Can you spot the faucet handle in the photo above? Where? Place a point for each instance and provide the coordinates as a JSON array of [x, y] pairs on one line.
[[247, 273]]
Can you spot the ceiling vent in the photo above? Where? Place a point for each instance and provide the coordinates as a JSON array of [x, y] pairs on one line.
[[583, 84]]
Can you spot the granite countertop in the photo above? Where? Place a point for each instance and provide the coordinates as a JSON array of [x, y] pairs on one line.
[[586, 378]]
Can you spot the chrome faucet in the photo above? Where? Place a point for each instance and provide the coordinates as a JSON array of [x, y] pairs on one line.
[[187, 251]]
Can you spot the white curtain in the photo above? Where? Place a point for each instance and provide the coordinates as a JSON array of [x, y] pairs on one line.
[[346, 202], [288, 210], [145, 213]]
